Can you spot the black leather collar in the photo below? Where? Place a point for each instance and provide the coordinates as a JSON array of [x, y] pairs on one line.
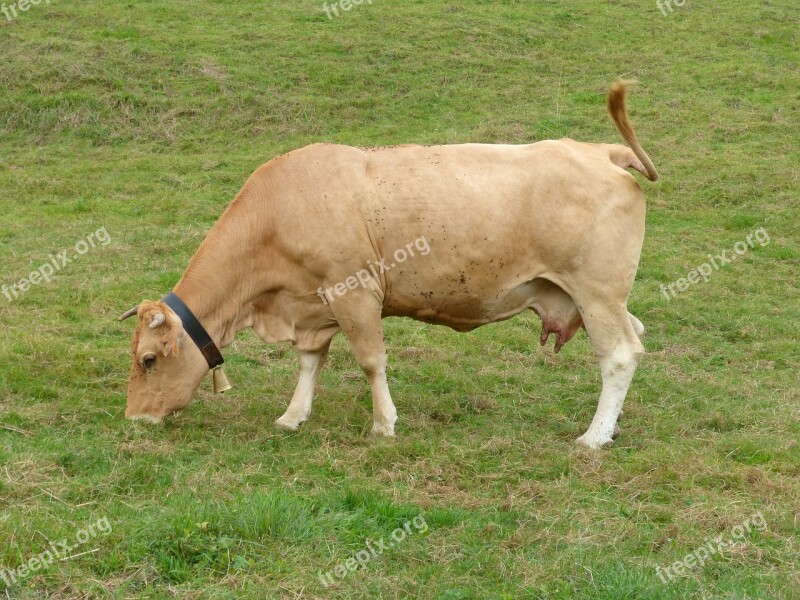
[[195, 330]]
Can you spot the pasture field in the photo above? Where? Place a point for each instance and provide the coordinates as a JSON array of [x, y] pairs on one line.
[[127, 127]]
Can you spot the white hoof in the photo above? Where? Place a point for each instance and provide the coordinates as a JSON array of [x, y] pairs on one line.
[[383, 430], [288, 423], [595, 443]]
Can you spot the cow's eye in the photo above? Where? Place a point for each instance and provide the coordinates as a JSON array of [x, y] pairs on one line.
[[149, 361]]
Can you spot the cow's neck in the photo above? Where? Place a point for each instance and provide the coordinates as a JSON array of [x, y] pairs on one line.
[[222, 279]]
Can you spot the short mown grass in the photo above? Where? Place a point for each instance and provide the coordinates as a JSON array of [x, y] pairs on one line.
[[145, 117]]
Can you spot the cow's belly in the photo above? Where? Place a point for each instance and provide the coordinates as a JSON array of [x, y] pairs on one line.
[[468, 311], [472, 308]]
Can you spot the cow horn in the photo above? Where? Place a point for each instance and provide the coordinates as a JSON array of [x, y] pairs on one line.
[[158, 319], [129, 313]]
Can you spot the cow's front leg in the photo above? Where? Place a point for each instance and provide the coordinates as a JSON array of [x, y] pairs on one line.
[[360, 319], [384, 413], [299, 409], [371, 355]]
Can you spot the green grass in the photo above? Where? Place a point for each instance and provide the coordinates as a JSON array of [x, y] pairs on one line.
[[145, 117]]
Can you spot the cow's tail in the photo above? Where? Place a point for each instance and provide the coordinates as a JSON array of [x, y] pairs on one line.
[[619, 114]]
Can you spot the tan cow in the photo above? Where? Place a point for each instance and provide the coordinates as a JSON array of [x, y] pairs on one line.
[[310, 247]]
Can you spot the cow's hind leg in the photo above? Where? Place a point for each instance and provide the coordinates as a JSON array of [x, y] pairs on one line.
[[360, 320], [299, 408], [618, 347]]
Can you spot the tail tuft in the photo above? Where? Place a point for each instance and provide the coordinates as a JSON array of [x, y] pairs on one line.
[[619, 114]]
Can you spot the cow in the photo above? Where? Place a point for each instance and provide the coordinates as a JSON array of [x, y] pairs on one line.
[[311, 246]]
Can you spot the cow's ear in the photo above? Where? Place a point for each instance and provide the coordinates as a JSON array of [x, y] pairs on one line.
[[171, 340]]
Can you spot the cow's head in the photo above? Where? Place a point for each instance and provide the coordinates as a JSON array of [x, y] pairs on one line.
[[167, 366]]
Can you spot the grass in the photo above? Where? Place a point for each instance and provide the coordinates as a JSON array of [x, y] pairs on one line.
[[146, 117]]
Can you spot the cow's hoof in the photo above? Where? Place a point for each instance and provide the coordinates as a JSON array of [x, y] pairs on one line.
[[594, 443], [616, 433], [288, 423], [383, 430]]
